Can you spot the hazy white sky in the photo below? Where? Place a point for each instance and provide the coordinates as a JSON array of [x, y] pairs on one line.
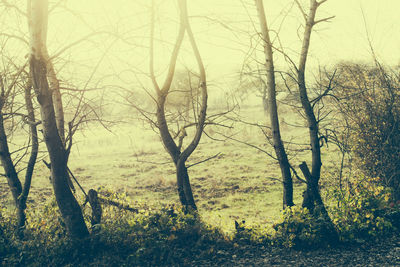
[[344, 38], [223, 30]]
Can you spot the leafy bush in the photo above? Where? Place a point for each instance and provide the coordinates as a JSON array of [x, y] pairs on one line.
[[149, 237], [153, 237], [257, 234], [370, 104], [5, 235], [365, 212], [299, 229]]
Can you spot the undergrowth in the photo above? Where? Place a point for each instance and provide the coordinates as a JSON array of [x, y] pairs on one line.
[[169, 236], [148, 237]]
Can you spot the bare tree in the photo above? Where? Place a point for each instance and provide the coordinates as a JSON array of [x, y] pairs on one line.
[[273, 109], [69, 207], [179, 154], [9, 90], [312, 196]]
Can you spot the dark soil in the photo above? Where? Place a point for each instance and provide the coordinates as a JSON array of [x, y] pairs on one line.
[[381, 253]]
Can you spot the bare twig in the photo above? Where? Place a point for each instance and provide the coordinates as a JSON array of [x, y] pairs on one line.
[[17, 9], [249, 144], [301, 10], [207, 159], [324, 20]]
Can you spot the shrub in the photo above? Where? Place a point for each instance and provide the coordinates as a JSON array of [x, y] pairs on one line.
[[299, 229], [165, 236], [150, 237], [365, 212], [370, 104], [5, 230], [256, 235]]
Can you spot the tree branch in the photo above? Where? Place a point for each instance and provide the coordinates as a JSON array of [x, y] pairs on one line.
[[324, 19], [207, 159], [301, 10], [8, 5]]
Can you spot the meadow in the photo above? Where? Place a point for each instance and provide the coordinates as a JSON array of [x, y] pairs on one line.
[[241, 183]]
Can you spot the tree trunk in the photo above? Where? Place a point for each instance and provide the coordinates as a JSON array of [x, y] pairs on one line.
[[35, 145], [273, 109], [69, 207], [184, 187], [312, 197], [179, 158], [57, 100], [308, 110], [54, 86], [20, 193], [11, 174], [313, 202], [58, 106], [183, 182]]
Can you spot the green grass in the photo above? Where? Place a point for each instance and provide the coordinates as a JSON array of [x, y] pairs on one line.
[[236, 185]]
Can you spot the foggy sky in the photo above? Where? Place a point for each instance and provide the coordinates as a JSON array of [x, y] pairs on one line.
[[224, 31]]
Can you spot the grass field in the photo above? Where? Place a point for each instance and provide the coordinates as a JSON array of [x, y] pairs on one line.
[[236, 185]]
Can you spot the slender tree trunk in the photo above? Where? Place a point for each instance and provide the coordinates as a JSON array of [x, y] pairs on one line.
[[309, 198], [20, 193], [69, 207], [312, 197], [183, 183], [273, 109], [179, 158], [56, 96], [35, 143], [184, 187], [203, 108], [182, 177], [316, 162], [58, 106], [11, 174], [180, 186]]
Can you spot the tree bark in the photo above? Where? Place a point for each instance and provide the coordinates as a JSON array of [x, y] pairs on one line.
[[308, 110], [184, 187], [20, 193], [273, 109], [312, 197], [34, 137], [34, 152], [11, 174], [57, 102], [179, 157], [56, 96], [69, 207]]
